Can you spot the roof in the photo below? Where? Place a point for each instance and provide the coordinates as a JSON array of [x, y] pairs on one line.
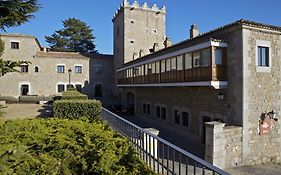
[[21, 36], [52, 54], [209, 33]]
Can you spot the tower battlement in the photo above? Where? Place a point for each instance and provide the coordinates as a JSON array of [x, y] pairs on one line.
[[136, 5]]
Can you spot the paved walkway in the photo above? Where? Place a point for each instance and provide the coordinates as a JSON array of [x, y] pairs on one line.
[[186, 141], [21, 111]]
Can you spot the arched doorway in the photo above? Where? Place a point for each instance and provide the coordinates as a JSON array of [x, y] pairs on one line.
[[24, 89], [130, 99], [204, 120]]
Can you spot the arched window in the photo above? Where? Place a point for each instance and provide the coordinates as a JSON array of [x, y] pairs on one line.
[[98, 90], [36, 69]]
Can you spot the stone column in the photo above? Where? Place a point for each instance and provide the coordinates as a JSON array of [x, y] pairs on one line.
[[152, 146], [215, 144]]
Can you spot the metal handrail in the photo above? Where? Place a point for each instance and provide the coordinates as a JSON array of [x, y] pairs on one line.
[[199, 161]]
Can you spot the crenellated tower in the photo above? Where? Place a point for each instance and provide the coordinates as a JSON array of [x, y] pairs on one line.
[[138, 30]]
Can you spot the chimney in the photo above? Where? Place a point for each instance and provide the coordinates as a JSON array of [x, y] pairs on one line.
[[167, 42], [194, 31], [155, 47]]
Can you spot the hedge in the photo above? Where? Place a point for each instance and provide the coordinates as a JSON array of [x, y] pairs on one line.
[[9, 99], [73, 95], [34, 99], [75, 109], [60, 146]]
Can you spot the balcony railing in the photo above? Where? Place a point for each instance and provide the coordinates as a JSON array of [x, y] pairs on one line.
[[162, 156], [209, 73]]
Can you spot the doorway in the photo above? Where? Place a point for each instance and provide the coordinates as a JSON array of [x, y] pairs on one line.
[[24, 89], [131, 103]]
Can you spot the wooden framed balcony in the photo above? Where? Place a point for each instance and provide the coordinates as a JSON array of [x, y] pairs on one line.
[[206, 67]]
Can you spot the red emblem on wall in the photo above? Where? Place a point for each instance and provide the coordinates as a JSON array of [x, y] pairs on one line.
[[264, 126]]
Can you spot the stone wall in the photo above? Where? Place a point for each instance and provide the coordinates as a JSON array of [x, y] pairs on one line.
[[223, 145], [262, 91]]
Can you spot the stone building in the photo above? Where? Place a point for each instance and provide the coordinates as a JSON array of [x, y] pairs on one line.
[[230, 75], [48, 72]]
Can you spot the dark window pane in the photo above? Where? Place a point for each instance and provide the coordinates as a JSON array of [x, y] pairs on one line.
[[158, 112], [263, 56], [144, 108], [185, 119], [163, 113], [60, 88], [177, 117], [148, 109], [36, 69], [24, 68], [15, 45]]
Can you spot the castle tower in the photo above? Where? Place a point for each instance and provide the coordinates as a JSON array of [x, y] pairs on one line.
[[137, 30]]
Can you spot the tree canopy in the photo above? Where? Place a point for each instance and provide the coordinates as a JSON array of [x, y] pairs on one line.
[[16, 12], [75, 36]]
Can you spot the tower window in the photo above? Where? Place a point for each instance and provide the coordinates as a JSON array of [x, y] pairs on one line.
[[132, 42], [36, 69], [132, 22]]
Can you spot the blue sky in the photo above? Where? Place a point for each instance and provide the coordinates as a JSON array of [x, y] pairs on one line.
[[207, 14]]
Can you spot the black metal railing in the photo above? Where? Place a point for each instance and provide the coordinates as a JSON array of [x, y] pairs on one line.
[[162, 156]]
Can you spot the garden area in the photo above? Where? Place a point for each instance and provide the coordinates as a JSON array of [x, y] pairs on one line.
[[74, 140]]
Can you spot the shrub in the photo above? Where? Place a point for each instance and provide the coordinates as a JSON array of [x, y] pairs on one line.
[[59, 146], [9, 99], [1, 111], [75, 109], [34, 99], [73, 95]]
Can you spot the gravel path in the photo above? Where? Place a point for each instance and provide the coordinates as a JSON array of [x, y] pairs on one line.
[[22, 111]]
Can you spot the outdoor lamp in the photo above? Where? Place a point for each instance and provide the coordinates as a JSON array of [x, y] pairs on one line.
[[272, 115], [69, 74]]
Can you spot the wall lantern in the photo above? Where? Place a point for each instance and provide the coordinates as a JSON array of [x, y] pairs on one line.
[[273, 115], [221, 96]]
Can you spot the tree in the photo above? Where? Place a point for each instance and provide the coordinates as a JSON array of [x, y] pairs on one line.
[[75, 36], [16, 12], [7, 66]]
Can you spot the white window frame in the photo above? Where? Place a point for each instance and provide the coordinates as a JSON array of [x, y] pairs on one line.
[[76, 65], [263, 43], [57, 68]]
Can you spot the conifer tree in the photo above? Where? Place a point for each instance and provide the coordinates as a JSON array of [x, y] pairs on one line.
[[75, 36]]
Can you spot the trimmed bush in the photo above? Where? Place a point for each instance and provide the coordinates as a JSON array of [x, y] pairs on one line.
[[34, 99], [59, 146], [75, 109], [73, 95], [9, 99], [1, 111]]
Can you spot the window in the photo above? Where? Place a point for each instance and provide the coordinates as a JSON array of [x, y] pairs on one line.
[[163, 65], [78, 69], [157, 65], [144, 108], [179, 62], [15, 45], [218, 56], [158, 112], [185, 119], [174, 63], [188, 61], [177, 118], [98, 69], [24, 68], [60, 87], [168, 64], [148, 109], [163, 113], [206, 57], [60, 69], [78, 87], [36, 69], [98, 90], [196, 59], [263, 56]]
